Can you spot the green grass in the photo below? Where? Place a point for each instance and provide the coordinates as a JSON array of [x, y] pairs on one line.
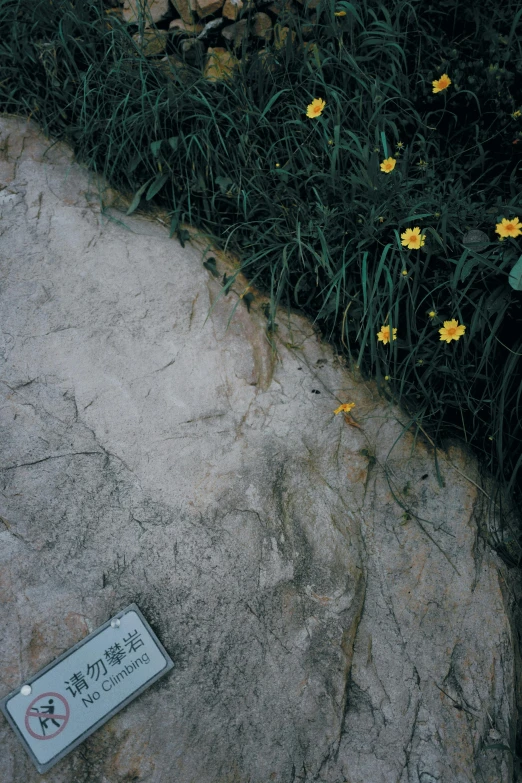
[[309, 231]]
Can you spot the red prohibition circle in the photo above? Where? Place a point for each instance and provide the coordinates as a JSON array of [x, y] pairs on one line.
[[44, 715]]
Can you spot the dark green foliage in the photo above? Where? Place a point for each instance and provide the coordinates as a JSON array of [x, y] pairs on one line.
[[321, 230]]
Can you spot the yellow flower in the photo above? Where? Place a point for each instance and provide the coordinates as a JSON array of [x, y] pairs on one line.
[[404, 272], [388, 165], [412, 238], [451, 331], [381, 220], [432, 313], [400, 145], [516, 114], [422, 163], [509, 228], [315, 108], [386, 377], [339, 13], [346, 407], [384, 334], [330, 141], [442, 83], [278, 165]]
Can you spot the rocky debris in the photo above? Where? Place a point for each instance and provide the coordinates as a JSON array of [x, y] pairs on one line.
[[267, 59], [186, 9], [321, 583], [232, 8], [175, 69], [280, 34], [234, 33], [153, 10], [282, 6], [210, 26], [189, 29], [206, 8], [192, 52], [177, 19], [151, 41], [220, 64], [262, 25]]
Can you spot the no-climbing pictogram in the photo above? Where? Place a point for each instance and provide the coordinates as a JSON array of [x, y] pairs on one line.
[[47, 716]]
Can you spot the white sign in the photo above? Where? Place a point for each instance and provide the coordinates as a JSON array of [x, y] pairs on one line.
[[62, 705]]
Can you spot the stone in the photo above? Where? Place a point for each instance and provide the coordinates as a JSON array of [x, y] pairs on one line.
[[175, 69], [475, 239], [152, 41], [235, 32], [214, 24], [282, 6], [207, 7], [267, 59], [153, 10], [181, 26], [334, 613], [220, 64], [193, 52], [232, 8], [191, 45], [280, 34], [262, 25], [186, 9]]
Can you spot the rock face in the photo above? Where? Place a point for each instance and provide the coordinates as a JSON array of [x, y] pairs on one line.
[[320, 631]]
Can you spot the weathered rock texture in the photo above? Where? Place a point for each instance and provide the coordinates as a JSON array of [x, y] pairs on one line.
[[319, 631]]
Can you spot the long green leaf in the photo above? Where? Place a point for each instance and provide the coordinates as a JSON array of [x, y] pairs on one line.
[[156, 186], [271, 102], [137, 197], [515, 276], [384, 144]]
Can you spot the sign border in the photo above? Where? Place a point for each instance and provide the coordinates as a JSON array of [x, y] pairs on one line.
[[78, 741]]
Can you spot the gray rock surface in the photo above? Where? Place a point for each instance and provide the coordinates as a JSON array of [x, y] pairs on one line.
[[320, 631]]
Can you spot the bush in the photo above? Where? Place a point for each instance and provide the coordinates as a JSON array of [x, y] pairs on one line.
[[305, 202]]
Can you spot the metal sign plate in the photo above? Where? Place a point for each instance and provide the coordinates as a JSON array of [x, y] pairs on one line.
[[59, 707]]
